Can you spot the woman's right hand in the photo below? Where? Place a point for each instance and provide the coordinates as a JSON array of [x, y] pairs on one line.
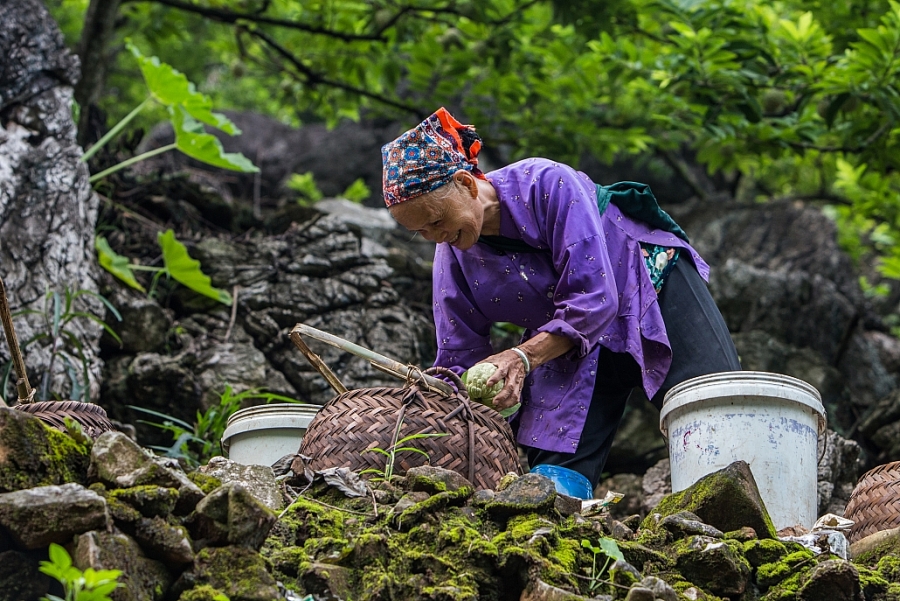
[[510, 369]]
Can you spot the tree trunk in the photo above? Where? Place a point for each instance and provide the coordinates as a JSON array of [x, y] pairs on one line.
[[47, 209], [99, 25]]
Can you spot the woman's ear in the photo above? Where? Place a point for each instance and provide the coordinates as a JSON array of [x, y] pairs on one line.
[[467, 181]]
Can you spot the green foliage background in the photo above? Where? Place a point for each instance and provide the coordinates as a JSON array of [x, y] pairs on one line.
[[796, 99]]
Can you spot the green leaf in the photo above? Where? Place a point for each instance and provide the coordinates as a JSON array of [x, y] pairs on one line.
[[510, 410], [186, 270], [116, 264], [609, 546], [170, 87], [192, 140], [59, 556]]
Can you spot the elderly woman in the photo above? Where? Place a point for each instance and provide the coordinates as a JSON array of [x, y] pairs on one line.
[[608, 302]]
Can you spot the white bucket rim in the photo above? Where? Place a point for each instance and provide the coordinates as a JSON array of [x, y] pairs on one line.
[[772, 386], [273, 408], [283, 416]]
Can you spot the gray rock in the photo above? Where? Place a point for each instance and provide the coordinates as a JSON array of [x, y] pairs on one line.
[[327, 581], [538, 590], [231, 515], [259, 480], [142, 579], [660, 588], [656, 484], [228, 569], [433, 480], [144, 326], [639, 593], [33, 455], [150, 501], [409, 500], [166, 542], [119, 462], [713, 564], [727, 499], [47, 209], [529, 493], [20, 578], [629, 485], [832, 579], [36, 517], [685, 523], [840, 465]]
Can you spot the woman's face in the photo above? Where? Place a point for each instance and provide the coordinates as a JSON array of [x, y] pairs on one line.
[[454, 216]]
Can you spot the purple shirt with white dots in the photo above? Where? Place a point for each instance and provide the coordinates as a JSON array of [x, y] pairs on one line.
[[591, 286]]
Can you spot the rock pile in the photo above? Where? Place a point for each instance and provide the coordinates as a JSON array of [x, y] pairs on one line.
[[426, 535]]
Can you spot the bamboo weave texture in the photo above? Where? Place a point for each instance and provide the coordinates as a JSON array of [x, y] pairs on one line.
[[480, 444], [92, 417], [875, 503]]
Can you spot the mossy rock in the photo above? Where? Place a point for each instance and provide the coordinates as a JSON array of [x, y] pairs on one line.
[[727, 499], [33, 454], [762, 551], [238, 572], [204, 482], [151, 501]]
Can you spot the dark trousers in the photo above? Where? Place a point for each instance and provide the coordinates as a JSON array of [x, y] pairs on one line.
[[700, 345]]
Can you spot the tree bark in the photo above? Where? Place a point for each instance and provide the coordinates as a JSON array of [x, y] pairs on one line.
[[99, 26]]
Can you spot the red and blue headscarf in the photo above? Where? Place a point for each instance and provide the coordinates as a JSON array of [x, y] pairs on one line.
[[426, 157]]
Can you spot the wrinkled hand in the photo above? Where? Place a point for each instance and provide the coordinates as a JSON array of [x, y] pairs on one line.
[[510, 369]]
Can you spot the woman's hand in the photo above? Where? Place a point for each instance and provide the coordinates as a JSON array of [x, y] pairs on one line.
[[510, 369]]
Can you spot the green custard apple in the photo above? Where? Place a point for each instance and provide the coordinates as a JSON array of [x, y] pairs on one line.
[[476, 383]]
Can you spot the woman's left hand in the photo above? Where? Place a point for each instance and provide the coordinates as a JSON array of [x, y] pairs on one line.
[[511, 370]]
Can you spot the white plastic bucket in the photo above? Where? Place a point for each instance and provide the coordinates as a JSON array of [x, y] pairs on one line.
[[262, 435], [771, 421]]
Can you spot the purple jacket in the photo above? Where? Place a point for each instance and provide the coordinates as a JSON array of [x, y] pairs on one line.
[[590, 286]]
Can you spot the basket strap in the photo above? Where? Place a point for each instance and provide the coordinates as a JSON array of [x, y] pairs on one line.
[[463, 408]]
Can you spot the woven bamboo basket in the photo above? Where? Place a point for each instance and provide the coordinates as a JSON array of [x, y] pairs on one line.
[[93, 418], [479, 442], [875, 502]]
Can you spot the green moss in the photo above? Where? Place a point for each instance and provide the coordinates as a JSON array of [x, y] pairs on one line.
[[204, 482], [566, 554], [889, 567], [288, 563], [306, 519], [889, 547], [786, 590], [706, 498], [203, 593], [236, 571], [872, 583], [33, 454], [771, 574], [764, 550], [150, 500], [645, 559]]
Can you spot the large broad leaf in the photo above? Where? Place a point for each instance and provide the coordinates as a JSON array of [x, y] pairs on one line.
[[192, 140], [186, 270], [116, 264], [609, 546], [170, 87]]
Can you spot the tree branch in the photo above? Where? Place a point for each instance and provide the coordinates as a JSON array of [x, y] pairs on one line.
[[314, 78], [850, 149], [683, 171], [233, 17]]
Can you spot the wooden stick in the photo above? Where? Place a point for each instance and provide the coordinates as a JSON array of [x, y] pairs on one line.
[[23, 387], [395, 368], [318, 363]]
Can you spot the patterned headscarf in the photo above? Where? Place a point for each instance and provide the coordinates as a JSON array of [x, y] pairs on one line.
[[426, 157]]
